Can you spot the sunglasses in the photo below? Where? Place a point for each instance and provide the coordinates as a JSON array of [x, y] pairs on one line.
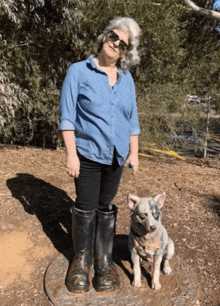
[[114, 37]]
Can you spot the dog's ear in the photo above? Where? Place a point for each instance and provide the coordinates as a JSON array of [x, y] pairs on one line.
[[133, 200], [160, 199]]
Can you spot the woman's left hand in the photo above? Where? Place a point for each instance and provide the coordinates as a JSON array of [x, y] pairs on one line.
[[133, 158]]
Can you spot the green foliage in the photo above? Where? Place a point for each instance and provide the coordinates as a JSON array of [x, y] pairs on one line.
[[202, 54], [40, 39], [28, 101], [28, 121], [159, 111]]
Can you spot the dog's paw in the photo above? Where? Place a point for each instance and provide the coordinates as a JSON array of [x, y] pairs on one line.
[[156, 285], [136, 283], [167, 270]]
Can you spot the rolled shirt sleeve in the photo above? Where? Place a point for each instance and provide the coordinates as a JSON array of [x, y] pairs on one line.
[[68, 100], [135, 129]]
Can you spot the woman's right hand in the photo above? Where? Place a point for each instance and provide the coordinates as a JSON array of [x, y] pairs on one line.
[[73, 166], [73, 163]]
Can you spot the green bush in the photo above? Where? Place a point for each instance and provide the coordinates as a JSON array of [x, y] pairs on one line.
[[160, 108], [28, 117]]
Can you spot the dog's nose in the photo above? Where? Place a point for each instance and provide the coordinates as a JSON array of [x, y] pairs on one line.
[[153, 228]]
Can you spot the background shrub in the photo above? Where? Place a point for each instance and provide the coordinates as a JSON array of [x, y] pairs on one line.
[[40, 39]]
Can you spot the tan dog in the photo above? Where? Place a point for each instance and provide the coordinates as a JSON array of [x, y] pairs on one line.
[[148, 239]]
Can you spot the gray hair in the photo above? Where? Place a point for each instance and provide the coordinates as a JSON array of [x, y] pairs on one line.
[[131, 27]]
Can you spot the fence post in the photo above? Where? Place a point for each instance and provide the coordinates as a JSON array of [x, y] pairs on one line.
[[207, 127]]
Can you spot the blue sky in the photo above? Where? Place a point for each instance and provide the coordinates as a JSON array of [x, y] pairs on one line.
[[216, 4]]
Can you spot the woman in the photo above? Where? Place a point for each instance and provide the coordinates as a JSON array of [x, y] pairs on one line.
[[99, 123]]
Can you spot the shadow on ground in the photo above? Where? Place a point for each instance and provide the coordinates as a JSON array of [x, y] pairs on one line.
[[121, 255], [50, 204], [215, 205], [52, 207]]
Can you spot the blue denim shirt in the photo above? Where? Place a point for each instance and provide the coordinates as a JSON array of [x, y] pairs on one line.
[[102, 116]]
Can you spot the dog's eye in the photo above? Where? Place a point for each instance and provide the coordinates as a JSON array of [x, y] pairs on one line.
[[143, 216], [155, 214]]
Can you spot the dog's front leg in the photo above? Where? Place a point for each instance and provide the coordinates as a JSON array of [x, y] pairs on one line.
[[136, 268], [169, 253], [156, 272]]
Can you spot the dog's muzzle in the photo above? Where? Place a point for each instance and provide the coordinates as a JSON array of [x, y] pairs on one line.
[[153, 228]]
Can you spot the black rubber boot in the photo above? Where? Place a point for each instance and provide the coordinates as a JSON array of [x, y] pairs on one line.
[[84, 222], [106, 277]]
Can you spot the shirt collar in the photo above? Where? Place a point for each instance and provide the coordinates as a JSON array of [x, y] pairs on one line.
[[91, 62]]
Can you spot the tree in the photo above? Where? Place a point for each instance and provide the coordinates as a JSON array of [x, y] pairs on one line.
[[203, 11]]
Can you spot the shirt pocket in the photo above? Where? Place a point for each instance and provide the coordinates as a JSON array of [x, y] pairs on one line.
[[90, 97]]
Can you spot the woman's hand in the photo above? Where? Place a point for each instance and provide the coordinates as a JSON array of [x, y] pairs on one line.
[[73, 166], [73, 163], [133, 158]]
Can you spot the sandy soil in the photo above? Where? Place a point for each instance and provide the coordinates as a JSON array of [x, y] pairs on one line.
[[35, 200]]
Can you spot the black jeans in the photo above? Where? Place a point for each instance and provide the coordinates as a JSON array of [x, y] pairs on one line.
[[97, 184]]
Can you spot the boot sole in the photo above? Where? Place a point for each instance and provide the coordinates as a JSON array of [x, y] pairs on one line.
[[112, 288], [77, 289]]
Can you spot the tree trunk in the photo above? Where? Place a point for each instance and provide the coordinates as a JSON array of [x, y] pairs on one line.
[[207, 128]]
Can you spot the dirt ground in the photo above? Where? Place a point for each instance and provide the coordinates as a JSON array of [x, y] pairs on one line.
[[35, 199]]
